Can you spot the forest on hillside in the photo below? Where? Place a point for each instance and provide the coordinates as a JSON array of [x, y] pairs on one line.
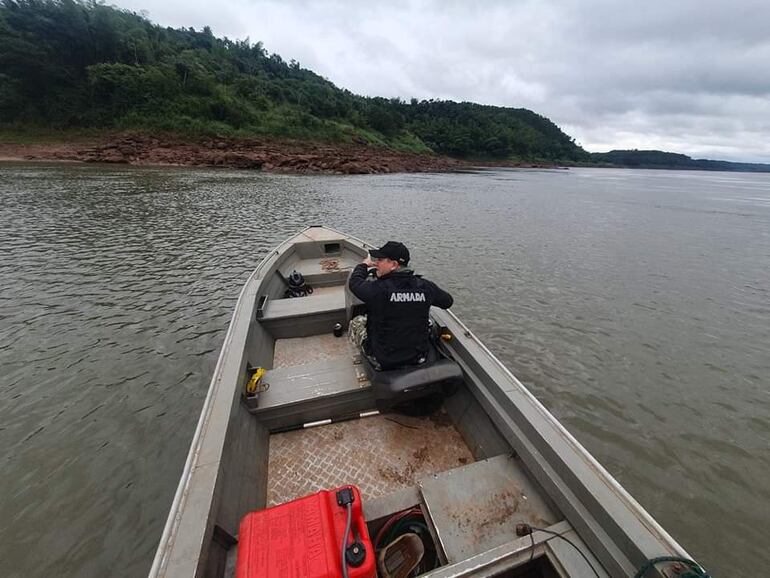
[[652, 159], [73, 64]]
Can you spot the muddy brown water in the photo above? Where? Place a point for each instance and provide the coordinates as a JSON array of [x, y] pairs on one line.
[[634, 304]]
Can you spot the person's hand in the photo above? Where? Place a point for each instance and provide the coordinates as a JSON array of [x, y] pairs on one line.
[[368, 261]]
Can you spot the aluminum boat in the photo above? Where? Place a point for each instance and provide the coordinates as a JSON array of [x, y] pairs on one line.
[[504, 488]]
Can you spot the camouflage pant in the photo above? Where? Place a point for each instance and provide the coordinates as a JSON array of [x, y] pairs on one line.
[[357, 336], [357, 330]]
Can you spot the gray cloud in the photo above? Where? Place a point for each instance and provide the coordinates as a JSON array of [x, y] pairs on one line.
[[687, 76]]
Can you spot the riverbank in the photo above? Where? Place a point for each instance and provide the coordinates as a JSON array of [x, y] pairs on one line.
[[269, 155]]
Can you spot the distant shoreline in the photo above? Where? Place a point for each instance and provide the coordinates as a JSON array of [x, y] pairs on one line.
[[275, 155], [271, 155], [264, 154]]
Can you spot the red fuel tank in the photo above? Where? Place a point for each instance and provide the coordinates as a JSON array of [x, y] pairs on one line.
[[303, 539]]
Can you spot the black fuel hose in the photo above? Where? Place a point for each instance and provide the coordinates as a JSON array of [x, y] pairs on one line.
[[345, 540]]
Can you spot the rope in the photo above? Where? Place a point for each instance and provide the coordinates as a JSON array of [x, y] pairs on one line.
[[695, 570]]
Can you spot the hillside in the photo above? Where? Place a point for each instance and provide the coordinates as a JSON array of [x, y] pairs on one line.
[[662, 160], [69, 65]]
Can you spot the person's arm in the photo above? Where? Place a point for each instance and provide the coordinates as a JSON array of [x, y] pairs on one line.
[[361, 288], [441, 298]]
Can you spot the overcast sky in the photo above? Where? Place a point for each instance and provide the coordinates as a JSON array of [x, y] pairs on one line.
[[690, 76]]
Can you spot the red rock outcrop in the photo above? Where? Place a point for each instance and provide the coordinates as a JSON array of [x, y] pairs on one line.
[[284, 156]]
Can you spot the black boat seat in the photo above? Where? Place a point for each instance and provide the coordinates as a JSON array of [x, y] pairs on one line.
[[416, 388]]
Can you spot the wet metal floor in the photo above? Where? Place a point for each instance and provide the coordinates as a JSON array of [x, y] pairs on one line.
[[379, 454]]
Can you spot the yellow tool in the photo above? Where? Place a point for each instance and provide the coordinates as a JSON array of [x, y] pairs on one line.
[[254, 384]]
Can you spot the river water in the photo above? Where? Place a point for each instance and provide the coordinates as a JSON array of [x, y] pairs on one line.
[[634, 304]]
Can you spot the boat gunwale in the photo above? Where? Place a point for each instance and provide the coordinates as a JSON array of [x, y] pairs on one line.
[[540, 464], [170, 529], [168, 536], [582, 452]]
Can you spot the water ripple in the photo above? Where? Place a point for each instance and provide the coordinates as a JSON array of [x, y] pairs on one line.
[[633, 303]]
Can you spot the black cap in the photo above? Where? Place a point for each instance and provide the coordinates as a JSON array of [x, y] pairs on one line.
[[392, 250]]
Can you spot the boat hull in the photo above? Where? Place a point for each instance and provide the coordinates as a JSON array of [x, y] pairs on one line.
[[226, 473]]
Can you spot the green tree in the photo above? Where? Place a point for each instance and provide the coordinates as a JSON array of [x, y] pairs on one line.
[[80, 63]]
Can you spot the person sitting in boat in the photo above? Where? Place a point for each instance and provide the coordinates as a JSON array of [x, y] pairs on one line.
[[395, 330]]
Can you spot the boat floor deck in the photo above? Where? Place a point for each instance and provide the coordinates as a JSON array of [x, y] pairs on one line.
[[395, 460], [379, 454], [304, 350]]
